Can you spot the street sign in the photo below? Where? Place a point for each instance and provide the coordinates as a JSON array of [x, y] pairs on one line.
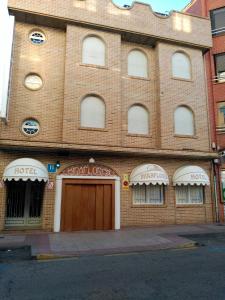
[[52, 168]]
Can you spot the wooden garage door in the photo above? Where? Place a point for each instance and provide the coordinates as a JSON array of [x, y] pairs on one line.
[[88, 205]]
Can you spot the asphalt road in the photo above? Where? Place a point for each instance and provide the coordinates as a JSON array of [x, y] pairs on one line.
[[172, 274]]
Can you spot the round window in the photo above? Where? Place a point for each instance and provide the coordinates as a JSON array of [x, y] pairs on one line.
[[30, 127], [33, 82], [37, 37]]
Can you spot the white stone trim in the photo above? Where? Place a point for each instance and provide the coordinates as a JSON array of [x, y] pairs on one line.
[[58, 197]]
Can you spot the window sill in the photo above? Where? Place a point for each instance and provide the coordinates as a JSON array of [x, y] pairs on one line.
[[137, 78], [149, 206], [214, 35], [186, 136], [138, 135], [94, 66], [93, 129], [182, 79], [189, 205]]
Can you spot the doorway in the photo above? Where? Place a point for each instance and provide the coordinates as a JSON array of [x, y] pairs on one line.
[[24, 200], [88, 205]]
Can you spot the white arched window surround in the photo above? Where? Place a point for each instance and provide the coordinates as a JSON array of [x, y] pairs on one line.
[[94, 51], [184, 121], [181, 65], [138, 120], [137, 63], [92, 112]]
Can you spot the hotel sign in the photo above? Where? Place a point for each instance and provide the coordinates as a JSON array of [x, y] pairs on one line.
[[89, 170], [25, 171]]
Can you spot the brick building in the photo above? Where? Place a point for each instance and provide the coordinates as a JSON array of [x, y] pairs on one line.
[[215, 67], [107, 122]]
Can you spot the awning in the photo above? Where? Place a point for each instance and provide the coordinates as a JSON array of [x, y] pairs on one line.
[[149, 174], [25, 169], [190, 175]]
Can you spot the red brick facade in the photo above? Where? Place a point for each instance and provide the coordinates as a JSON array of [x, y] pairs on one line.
[[216, 90]]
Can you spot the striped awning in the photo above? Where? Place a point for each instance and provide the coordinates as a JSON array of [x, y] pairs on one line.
[[149, 174], [190, 175]]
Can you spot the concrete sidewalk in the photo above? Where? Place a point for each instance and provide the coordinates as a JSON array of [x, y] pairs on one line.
[[108, 242]]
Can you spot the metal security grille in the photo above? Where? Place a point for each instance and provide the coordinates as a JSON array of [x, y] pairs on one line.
[[36, 196], [24, 203], [15, 199]]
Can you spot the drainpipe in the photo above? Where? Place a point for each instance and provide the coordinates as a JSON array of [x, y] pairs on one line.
[[215, 191]]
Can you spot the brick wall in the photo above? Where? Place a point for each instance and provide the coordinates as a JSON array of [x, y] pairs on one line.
[[46, 104], [131, 215], [67, 81], [139, 18]]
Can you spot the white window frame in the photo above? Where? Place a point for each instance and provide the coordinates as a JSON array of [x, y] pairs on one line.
[[87, 59], [189, 201], [176, 76], [87, 123], [130, 67], [147, 201], [176, 122], [41, 39], [130, 128]]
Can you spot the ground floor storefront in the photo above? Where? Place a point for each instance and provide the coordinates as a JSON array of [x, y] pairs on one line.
[[71, 192]]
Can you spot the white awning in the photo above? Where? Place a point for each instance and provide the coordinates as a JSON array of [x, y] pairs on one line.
[[190, 175], [149, 174], [25, 169]]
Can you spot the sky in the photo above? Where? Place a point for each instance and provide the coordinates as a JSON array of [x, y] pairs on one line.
[[159, 5]]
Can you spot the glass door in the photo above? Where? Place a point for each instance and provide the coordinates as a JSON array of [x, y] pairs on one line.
[[24, 203]]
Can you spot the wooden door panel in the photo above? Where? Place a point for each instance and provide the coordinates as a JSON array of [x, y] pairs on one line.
[[99, 207], [107, 207], [87, 205], [76, 208], [68, 208], [89, 215]]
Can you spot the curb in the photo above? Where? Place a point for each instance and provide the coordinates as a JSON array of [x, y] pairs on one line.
[[52, 256]]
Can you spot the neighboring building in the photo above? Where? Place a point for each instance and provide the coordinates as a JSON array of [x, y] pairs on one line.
[[215, 66], [108, 119]]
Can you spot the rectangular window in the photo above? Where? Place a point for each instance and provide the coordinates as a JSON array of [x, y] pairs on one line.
[[218, 20], [189, 194], [220, 67], [221, 116], [148, 194]]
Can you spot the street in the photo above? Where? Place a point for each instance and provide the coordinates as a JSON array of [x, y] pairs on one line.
[[195, 273]]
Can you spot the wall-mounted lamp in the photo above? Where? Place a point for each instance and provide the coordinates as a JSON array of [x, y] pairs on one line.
[[91, 160], [58, 165]]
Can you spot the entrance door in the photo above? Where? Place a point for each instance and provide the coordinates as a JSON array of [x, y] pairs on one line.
[[88, 205], [24, 203]]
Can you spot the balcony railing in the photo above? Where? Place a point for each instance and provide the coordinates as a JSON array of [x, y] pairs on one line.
[[218, 31], [219, 78]]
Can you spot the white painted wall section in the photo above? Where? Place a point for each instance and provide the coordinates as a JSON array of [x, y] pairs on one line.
[[6, 32]]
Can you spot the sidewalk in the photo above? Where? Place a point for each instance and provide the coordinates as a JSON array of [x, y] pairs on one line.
[[107, 242]]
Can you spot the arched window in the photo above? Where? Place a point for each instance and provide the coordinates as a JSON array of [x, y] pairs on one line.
[[92, 112], [93, 51], [184, 121], [137, 64], [138, 120], [181, 66]]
